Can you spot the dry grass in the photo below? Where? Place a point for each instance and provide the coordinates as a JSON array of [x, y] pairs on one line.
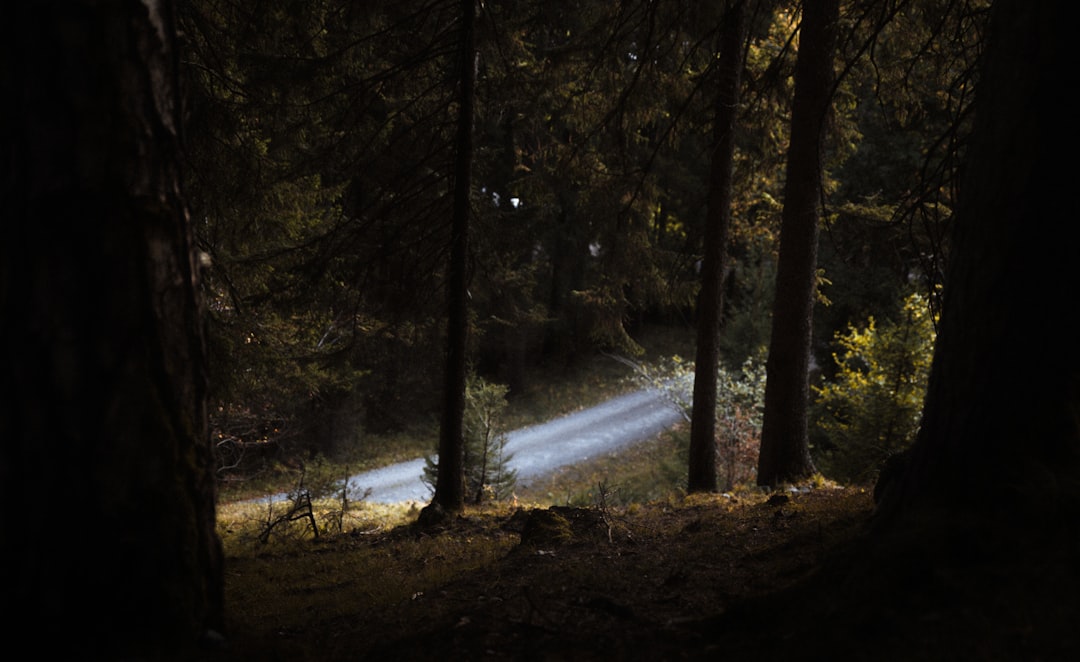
[[612, 561], [495, 582], [553, 391], [748, 576]]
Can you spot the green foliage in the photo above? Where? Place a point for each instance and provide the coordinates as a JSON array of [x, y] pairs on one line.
[[903, 115], [740, 406], [316, 177], [319, 146], [487, 476], [872, 408], [749, 291]]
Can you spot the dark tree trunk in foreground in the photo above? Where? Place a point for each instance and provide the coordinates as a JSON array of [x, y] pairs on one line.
[[785, 447], [702, 463], [1001, 423], [450, 480], [974, 546], [106, 476]]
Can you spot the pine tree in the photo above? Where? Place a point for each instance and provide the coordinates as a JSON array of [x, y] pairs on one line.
[[486, 462]]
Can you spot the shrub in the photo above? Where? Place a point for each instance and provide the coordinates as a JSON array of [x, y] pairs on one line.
[[872, 408], [487, 476], [740, 404]]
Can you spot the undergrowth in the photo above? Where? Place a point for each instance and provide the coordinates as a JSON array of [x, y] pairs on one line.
[[553, 391], [518, 581]]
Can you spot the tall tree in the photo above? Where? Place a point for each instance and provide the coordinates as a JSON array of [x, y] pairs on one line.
[[785, 447], [320, 152], [104, 423], [702, 463], [450, 480], [1002, 411]]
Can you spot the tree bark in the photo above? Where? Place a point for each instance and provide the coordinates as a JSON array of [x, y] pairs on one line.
[[1001, 422], [450, 479], [785, 448], [702, 462], [106, 471]]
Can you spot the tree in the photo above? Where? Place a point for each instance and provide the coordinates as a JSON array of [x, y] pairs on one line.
[[450, 482], [320, 153], [103, 423], [1003, 397], [321, 157], [702, 461], [870, 410], [486, 463], [785, 446], [902, 120]]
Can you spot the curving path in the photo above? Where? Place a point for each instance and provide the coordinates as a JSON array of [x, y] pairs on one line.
[[539, 449]]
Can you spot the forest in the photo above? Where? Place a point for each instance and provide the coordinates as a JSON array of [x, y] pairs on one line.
[[323, 160], [246, 238]]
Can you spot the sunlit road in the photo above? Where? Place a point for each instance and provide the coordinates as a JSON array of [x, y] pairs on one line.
[[539, 449]]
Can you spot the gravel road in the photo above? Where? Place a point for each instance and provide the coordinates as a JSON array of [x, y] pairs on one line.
[[539, 449]]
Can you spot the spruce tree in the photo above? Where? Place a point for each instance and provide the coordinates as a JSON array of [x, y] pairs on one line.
[[486, 462]]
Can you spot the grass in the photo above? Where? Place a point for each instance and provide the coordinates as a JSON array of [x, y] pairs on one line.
[[512, 581], [651, 471], [744, 576], [553, 391], [289, 583], [611, 560], [361, 554]]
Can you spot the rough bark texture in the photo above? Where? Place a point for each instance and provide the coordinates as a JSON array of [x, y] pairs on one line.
[[785, 448], [450, 480], [702, 462], [106, 474], [1002, 415]]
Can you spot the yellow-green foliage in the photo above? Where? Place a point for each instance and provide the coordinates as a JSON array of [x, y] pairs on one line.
[[872, 407]]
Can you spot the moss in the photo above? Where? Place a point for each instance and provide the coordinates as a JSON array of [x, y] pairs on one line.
[[546, 528]]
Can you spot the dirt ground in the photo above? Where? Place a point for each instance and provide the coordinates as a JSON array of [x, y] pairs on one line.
[[791, 576]]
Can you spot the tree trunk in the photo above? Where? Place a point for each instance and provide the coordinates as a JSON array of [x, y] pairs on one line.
[[785, 448], [106, 469], [702, 463], [450, 480], [1001, 422]]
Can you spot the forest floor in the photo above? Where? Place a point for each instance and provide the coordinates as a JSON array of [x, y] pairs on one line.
[[751, 576]]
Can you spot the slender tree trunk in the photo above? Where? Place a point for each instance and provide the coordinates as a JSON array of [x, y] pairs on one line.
[[106, 471], [450, 480], [785, 448], [702, 464], [1002, 414]]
